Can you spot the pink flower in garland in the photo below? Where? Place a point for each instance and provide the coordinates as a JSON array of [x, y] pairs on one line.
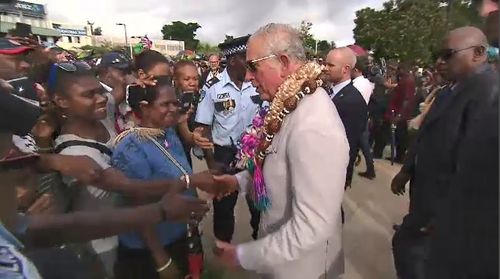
[[247, 148]]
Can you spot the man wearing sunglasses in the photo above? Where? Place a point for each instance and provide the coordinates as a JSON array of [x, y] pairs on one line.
[[465, 240], [304, 170], [226, 109]]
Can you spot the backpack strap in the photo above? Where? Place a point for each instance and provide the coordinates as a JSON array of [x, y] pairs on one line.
[[101, 147]]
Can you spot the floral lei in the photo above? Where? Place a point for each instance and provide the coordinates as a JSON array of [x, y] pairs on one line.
[[256, 140]]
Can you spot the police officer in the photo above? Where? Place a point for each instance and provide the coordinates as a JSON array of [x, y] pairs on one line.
[[227, 107]]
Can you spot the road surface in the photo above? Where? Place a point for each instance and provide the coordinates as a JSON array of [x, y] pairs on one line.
[[370, 209]]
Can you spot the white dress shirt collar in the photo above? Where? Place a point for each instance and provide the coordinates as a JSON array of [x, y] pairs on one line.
[[336, 88]]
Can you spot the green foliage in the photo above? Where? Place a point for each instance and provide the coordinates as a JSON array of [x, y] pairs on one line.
[[181, 31], [206, 48], [410, 30], [310, 42], [97, 31]]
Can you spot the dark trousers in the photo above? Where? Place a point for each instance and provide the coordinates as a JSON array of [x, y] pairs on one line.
[[402, 139], [411, 254], [367, 152], [381, 134], [139, 263], [224, 208]]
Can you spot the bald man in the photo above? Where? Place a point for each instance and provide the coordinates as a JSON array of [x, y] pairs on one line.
[[350, 104], [465, 243], [433, 163]]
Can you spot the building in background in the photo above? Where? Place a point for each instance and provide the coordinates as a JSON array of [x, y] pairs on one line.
[[72, 36], [31, 14], [165, 47]]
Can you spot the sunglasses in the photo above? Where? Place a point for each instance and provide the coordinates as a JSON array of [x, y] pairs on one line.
[[69, 67], [252, 64], [447, 53]]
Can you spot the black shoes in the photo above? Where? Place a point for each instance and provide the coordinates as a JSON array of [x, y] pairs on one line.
[[368, 174]]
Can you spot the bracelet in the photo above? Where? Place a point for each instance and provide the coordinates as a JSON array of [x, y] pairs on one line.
[[187, 179], [165, 266]]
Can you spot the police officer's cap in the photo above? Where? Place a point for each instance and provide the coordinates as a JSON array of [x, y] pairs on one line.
[[234, 46]]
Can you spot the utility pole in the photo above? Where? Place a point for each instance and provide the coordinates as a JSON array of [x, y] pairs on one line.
[[126, 39], [91, 27]]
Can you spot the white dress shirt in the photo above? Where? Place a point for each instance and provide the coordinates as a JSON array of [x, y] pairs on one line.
[[364, 86], [339, 86]]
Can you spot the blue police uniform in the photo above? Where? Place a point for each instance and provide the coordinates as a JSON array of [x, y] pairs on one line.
[[227, 109]]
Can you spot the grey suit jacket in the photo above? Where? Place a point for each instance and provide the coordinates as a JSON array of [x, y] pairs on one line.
[[305, 174]]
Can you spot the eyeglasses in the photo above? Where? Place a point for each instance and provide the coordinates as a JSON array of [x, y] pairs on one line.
[[447, 53], [252, 64], [69, 67]]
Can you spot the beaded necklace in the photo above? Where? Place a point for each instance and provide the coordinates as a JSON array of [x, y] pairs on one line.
[[267, 123]]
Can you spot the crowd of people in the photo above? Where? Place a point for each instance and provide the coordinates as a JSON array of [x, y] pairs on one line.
[[97, 171]]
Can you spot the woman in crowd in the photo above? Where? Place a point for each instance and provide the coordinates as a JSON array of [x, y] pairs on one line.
[[149, 152], [186, 80], [86, 128], [151, 63]]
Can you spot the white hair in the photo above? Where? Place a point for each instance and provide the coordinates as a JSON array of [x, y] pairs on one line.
[[282, 38]]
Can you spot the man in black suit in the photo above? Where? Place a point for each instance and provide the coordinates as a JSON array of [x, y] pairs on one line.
[[436, 146], [465, 243], [350, 104]]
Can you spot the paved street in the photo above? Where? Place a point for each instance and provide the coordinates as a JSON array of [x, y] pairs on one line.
[[371, 210]]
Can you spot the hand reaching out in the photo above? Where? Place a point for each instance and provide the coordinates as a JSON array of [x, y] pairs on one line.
[[200, 140], [227, 255], [180, 208], [219, 186]]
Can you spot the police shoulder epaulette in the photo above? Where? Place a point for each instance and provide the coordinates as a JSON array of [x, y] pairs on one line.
[[211, 82]]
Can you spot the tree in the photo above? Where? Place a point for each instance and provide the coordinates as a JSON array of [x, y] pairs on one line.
[[324, 47], [181, 31], [98, 31], [410, 30], [306, 36], [206, 48]]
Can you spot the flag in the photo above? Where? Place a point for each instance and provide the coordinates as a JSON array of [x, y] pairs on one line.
[[146, 42]]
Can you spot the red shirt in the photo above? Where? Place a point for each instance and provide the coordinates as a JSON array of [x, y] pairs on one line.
[[403, 92]]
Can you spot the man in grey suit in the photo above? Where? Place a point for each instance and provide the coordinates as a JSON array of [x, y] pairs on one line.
[[304, 170]]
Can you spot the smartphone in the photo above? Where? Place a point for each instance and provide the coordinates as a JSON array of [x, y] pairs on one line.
[[24, 88], [187, 99]]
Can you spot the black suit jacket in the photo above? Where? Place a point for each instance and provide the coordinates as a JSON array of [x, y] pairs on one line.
[[204, 77], [465, 241], [353, 111]]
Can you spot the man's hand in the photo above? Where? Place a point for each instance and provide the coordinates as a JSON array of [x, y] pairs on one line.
[[147, 81], [5, 85], [180, 208], [201, 141], [44, 205], [227, 255], [399, 182], [82, 168], [218, 186]]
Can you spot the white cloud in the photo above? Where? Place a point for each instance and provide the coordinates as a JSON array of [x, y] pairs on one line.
[[332, 19]]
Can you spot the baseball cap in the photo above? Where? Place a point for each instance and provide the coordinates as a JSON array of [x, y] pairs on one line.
[[113, 59], [11, 47]]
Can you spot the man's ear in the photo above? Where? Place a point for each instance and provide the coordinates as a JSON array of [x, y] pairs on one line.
[[285, 64]]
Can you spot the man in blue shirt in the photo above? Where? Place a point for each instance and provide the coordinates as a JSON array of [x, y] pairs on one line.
[[226, 109]]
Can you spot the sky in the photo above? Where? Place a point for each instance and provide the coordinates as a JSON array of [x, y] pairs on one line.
[[332, 19]]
